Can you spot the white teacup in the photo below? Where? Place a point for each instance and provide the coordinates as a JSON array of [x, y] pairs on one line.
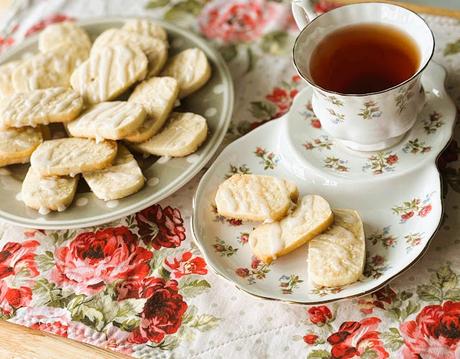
[[394, 110]]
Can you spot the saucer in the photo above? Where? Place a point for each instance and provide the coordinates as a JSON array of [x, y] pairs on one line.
[[313, 149], [401, 213]]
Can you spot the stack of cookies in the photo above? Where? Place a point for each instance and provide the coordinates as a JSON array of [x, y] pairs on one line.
[[336, 242], [79, 85]]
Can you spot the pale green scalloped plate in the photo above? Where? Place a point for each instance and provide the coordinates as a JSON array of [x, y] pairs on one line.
[[214, 101]]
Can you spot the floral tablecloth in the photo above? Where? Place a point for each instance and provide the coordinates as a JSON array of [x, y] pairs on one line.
[[140, 287]]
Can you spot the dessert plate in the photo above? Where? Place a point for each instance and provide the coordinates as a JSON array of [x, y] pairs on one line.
[[401, 213], [163, 176]]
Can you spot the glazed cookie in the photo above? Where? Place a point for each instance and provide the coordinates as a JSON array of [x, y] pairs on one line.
[[183, 134], [17, 144], [63, 33], [157, 95], [145, 27], [107, 74], [108, 120], [155, 50], [312, 216], [255, 198], [337, 256], [51, 69], [6, 78], [70, 156], [40, 107], [47, 194], [190, 68], [120, 180]]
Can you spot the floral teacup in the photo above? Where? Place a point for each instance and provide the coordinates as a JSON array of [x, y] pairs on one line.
[[372, 121]]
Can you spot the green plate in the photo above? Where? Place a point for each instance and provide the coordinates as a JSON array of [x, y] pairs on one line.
[[163, 176]]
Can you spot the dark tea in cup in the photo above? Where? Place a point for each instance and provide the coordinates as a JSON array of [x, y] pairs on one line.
[[364, 58]]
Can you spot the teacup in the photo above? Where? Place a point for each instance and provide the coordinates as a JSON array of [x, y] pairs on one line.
[[394, 110]]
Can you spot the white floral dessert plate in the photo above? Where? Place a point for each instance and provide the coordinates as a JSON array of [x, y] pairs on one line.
[[400, 213], [163, 177], [317, 151]]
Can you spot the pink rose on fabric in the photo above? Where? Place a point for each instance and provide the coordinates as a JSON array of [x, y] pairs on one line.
[[185, 265], [434, 334], [16, 257], [13, 298], [236, 20], [52, 320], [94, 259]]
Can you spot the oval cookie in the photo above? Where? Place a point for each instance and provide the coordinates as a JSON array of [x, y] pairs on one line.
[[157, 95], [190, 68], [51, 69], [17, 144], [155, 50], [47, 194], [108, 120], [108, 73], [120, 180], [145, 27], [183, 134], [63, 33], [40, 107], [337, 256], [70, 156], [6, 78]]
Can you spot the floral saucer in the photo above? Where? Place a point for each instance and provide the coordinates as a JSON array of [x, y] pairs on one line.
[[314, 149], [401, 213]]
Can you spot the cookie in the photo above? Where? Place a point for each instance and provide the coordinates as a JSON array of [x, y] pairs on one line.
[[120, 180], [108, 120], [157, 95], [311, 217], [51, 69], [40, 107], [47, 194], [190, 68], [108, 73], [183, 134], [17, 144], [336, 257], [255, 198], [63, 33], [155, 50], [145, 27], [70, 156], [6, 78]]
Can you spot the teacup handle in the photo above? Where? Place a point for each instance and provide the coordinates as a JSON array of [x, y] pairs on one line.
[[303, 12]]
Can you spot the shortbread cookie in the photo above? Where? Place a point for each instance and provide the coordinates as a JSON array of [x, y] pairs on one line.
[[6, 78], [108, 73], [47, 194], [312, 216], [17, 144], [108, 120], [51, 69], [155, 49], [40, 107], [69, 156], [183, 134], [157, 95], [120, 180], [190, 68], [63, 33], [255, 198], [145, 27], [337, 256]]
